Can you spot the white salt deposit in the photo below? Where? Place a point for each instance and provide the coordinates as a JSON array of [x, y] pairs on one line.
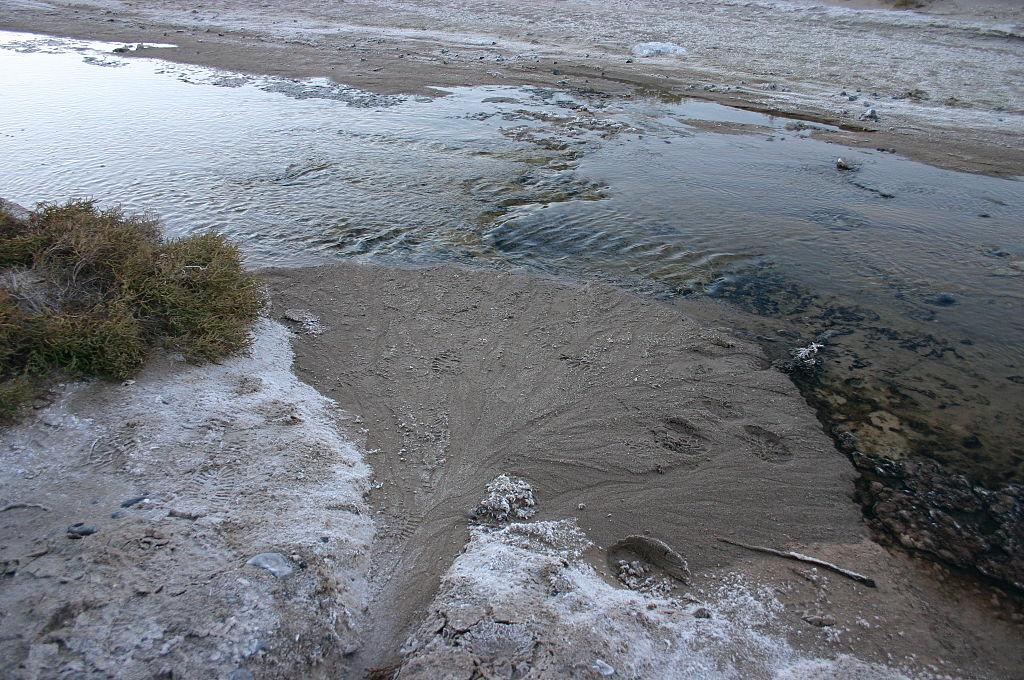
[[508, 498], [523, 589], [241, 471], [657, 49]]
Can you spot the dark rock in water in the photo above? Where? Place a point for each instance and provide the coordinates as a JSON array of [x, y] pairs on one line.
[[843, 164], [702, 613], [81, 529], [926, 510], [133, 501], [971, 442], [942, 300]]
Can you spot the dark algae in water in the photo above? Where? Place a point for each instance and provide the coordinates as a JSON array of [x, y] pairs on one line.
[[941, 496]]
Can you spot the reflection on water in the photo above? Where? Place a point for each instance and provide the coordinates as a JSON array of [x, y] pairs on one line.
[[911, 276]]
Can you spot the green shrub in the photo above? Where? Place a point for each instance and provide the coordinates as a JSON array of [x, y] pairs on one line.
[[89, 292]]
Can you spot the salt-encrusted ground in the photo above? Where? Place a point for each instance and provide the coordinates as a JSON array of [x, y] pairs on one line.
[[210, 521], [519, 602], [179, 479]]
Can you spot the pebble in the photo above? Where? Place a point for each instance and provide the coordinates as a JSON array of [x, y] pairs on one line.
[[81, 530], [843, 164], [820, 620], [870, 114], [702, 613], [276, 563], [602, 668]]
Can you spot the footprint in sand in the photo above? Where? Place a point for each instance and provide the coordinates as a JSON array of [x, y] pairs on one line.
[[766, 445]]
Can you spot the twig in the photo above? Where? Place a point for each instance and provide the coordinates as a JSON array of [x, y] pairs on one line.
[[19, 506], [869, 582]]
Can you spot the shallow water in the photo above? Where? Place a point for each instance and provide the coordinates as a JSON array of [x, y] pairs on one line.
[[911, 276]]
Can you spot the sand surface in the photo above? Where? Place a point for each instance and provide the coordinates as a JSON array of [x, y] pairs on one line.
[[625, 416], [231, 521], [945, 80]]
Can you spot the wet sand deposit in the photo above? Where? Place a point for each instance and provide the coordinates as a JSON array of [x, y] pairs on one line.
[[210, 522], [621, 413]]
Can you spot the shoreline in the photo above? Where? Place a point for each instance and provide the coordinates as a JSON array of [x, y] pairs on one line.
[[416, 386], [387, 55]]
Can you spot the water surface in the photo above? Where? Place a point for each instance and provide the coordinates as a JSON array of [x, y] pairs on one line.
[[911, 277]]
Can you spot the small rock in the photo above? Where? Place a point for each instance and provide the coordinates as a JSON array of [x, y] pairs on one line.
[[133, 501], [702, 613], [309, 323], [843, 164], [186, 514], [81, 529], [276, 563], [870, 114], [241, 674], [602, 668], [942, 300], [820, 620]]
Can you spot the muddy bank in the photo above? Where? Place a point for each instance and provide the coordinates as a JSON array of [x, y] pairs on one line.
[[942, 84], [625, 416]]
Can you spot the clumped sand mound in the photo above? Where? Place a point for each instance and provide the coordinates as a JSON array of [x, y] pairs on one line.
[[199, 522]]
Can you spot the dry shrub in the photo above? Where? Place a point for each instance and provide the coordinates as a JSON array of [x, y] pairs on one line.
[[89, 292]]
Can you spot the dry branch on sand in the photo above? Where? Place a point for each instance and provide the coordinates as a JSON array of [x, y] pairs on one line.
[[799, 557]]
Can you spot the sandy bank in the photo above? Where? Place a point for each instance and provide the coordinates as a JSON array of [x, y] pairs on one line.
[[213, 521], [627, 417], [944, 81]]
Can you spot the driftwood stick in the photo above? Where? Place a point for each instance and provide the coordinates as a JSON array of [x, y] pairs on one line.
[[859, 578]]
